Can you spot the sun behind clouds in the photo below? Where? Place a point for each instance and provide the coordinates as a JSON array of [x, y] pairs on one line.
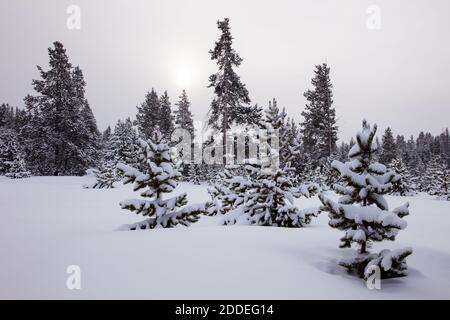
[[183, 72]]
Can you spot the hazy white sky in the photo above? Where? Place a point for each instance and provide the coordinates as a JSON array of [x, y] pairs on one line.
[[396, 76]]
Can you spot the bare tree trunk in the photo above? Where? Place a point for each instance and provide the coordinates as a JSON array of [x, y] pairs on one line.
[[363, 247], [224, 138], [364, 244]]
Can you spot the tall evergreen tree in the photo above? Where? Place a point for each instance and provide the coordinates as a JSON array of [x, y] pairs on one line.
[[424, 145], [436, 178], [445, 145], [89, 135], [402, 148], [230, 104], [166, 121], [319, 129], [149, 114], [410, 155], [184, 120], [57, 135], [183, 116], [4, 115], [389, 147]]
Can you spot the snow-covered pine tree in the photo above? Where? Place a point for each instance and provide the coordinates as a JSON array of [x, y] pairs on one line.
[[7, 149], [229, 190], [429, 182], [342, 154], [318, 177], [411, 151], [275, 119], [106, 174], [445, 145], [106, 138], [157, 175], [58, 137], [330, 175], [122, 146], [363, 213], [317, 172], [445, 193], [417, 169], [293, 151], [184, 120], [436, 178], [6, 115], [12, 163], [149, 114], [403, 185], [292, 135], [183, 116], [301, 163], [388, 148], [274, 116], [303, 166], [231, 102], [209, 173], [18, 169], [194, 173], [12, 118], [423, 146], [125, 143], [266, 198], [255, 194], [319, 129], [402, 148], [166, 121], [89, 135]]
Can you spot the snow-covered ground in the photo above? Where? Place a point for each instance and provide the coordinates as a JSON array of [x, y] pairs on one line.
[[49, 223]]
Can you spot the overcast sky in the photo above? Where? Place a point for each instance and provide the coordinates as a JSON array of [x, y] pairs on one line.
[[396, 76]]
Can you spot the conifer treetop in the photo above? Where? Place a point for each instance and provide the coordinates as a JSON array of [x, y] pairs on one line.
[[183, 116], [319, 128], [149, 114], [231, 96]]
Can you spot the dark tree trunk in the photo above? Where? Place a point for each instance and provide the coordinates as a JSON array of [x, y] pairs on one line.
[[224, 138]]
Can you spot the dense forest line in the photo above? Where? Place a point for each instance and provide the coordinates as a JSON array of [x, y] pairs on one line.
[[55, 133]]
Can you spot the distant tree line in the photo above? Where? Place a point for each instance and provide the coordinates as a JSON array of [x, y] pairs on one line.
[[56, 133]]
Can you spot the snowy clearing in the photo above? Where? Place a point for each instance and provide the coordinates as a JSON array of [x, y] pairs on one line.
[[50, 223]]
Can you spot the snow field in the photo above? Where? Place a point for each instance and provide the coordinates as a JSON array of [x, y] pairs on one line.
[[50, 223]]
